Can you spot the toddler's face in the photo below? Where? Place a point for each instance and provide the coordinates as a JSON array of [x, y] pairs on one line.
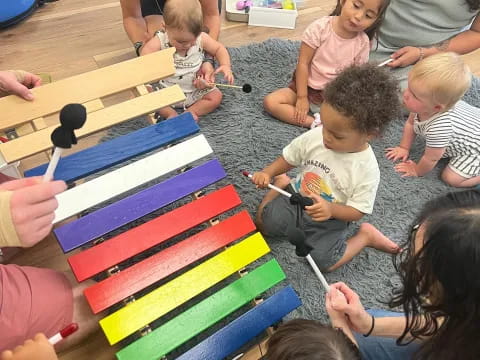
[[338, 133], [416, 98], [359, 15], [182, 40]]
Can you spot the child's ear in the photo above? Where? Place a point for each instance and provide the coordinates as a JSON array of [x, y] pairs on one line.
[[439, 108]]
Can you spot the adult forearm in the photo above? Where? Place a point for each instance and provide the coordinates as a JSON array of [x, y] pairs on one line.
[[212, 22], [389, 326], [462, 43], [136, 29]]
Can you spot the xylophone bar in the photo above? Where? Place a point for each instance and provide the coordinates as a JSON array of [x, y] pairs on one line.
[[245, 327], [100, 222], [203, 315], [121, 247], [160, 301], [120, 149], [137, 277], [98, 190]]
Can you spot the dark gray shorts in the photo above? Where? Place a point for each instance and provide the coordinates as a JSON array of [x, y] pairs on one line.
[[328, 238]]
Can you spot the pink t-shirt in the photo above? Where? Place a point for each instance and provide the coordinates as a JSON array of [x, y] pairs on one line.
[[332, 52]]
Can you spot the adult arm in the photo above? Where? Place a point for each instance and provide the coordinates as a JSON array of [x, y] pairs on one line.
[[133, 21], [211, 17], [462, 43]]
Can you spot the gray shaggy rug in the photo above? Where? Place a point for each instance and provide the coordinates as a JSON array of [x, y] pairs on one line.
[[243, 136]]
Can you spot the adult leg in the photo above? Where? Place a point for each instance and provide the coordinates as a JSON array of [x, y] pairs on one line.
[[367, 236], [383, 348], [152, 11], [281, 105], [452, 178]]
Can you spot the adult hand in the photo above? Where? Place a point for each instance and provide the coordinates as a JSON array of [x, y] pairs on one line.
[[19, 83], [397, 153], [227, 73], [261, 179], [405, 56], [407, 168], [359, 319], [301, 110], [39, 349], [336, 298], [207, 72], [32, 207], [321, 210]]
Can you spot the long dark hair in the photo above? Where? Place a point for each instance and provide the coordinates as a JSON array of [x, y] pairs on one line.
[[474, 4], [372, 30], [441, 281]]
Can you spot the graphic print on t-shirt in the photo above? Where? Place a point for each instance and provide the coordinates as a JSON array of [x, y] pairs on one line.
[[313, 183]]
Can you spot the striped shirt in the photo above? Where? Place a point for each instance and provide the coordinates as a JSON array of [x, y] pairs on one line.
[[457, 130]]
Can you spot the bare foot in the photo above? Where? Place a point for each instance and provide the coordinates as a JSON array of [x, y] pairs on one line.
[[377, 240], [281, 181]]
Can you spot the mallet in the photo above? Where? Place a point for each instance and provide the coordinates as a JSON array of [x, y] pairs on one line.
[[246, 88], [72, 116]]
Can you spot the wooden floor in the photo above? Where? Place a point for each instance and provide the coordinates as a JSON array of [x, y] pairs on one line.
[[69, 37]]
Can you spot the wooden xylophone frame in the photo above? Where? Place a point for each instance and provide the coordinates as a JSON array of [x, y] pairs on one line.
[[30, 128]]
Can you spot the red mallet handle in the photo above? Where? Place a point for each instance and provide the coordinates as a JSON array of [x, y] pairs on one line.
[[68, 330]]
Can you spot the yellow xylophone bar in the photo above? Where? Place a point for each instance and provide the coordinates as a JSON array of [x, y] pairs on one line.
[[152, 306]]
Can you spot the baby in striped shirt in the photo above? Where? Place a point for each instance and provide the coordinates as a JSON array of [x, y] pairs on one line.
[[451, 127]]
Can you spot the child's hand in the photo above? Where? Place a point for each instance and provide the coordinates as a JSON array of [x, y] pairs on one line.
[[39, 349], [227, 73], [397, 153], [261, 179], [301, 110], [200, 83], [321, 210], [408, 168]]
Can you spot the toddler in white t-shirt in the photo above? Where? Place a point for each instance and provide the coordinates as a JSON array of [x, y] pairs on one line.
[[337, 169]]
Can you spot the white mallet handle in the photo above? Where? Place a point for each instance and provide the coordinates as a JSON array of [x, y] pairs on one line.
[[385, 62], [276, 188], [53, 164], [318, 273]]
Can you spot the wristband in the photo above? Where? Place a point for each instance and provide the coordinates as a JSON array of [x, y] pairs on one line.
[[371, 329]]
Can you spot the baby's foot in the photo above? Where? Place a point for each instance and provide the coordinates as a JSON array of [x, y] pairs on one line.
[[195, 116], [377, 240]]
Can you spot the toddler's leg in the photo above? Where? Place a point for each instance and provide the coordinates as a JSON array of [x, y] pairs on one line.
[[367, 236], [206, 104], [280, 181], [167, 112], [451, 178], [281, 105]]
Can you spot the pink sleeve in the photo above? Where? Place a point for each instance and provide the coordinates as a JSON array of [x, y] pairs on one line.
[[362, 55], [312, 36]]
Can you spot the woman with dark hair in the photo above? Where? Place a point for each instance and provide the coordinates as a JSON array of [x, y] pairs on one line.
[[413, 30], [440, 296]]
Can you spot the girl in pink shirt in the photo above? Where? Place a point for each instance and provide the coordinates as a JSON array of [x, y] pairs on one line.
[[329, 45]]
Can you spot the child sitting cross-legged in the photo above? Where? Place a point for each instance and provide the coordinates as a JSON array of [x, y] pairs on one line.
[[450, 126], [183, 31], [337, 168]]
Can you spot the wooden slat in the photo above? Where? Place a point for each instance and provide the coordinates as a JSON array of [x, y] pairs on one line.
[[137, 277], [245, 327], [123, 246], [118, 150], [39, 141], [116, 182], [98, 223], [204, 314], [157, 303], [81, 88]]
